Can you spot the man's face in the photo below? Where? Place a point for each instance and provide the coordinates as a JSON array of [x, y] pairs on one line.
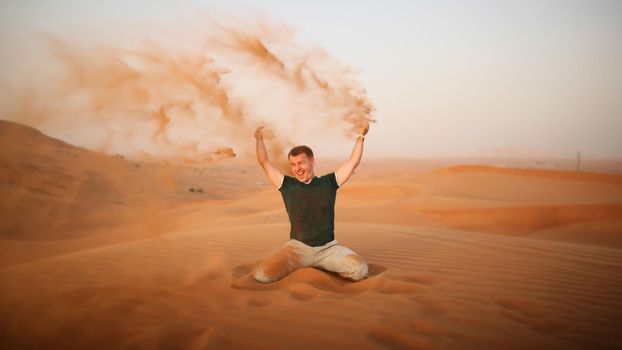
[[302, 167]]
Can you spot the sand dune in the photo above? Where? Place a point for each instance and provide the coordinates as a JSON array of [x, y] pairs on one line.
[[58, 198], [462, 257], [524, 219], [50, 187]]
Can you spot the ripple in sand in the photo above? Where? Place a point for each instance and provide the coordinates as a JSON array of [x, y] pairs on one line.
[[530, 313], [393, 339]]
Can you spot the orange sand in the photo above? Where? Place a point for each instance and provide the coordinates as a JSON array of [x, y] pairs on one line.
[[102, 252]]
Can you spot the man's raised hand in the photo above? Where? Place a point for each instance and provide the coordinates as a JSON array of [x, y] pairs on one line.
[[258, 133], [364, 128], [273, 173]]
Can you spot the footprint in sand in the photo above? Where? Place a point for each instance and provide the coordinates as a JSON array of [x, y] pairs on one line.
[[529, 313], [308, 283], [185, 336], [431, 307], [393, 339], [409, 284], [258, 301], [303, 292], [420, 279]]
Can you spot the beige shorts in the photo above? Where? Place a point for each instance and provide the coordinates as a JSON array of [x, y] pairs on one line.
[[294, 255]]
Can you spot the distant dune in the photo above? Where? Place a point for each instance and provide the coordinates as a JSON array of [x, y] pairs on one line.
[[64, 198], [536, 173], [52, 190], [103, 252]]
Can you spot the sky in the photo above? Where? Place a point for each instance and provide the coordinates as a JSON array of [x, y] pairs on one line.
[[447, 78]]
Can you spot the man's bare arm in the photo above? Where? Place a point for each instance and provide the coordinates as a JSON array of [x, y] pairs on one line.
[[343, 172], [274, 175]]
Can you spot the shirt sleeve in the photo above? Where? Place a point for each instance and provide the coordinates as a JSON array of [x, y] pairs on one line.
[[284, 183], [333, 180]]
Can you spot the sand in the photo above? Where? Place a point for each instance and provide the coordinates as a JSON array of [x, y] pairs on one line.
[[99, 251]]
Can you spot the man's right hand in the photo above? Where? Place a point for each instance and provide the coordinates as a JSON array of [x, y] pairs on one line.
[[258, 133]]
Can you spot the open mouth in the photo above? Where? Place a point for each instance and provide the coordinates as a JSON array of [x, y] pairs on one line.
[[300, 172]]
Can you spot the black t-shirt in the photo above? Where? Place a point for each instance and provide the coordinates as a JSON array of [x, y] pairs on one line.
[[311, 208]]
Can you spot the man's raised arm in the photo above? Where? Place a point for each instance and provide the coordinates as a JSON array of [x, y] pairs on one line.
[[343, 172], [271, 171]]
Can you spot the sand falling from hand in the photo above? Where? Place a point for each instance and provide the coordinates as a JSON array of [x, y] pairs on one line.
[[195, 94]]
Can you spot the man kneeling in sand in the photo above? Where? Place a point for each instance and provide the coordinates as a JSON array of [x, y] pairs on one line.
[[310, 204]]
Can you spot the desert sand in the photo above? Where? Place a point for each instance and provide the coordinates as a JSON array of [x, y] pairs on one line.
[[103, 252]]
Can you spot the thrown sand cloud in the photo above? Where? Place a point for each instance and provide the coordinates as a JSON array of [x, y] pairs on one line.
[[192, 92]]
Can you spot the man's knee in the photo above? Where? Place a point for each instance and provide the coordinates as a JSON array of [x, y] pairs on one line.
[[261, 276], [357, 268], [277, 266], [360, 272]]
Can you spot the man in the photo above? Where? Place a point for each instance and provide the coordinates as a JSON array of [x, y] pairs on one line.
[[310, 204]]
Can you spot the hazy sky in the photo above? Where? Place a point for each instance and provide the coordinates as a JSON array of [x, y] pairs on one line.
[[446, 77]]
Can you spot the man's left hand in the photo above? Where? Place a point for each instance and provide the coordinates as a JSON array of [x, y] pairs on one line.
[[364, 128]]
